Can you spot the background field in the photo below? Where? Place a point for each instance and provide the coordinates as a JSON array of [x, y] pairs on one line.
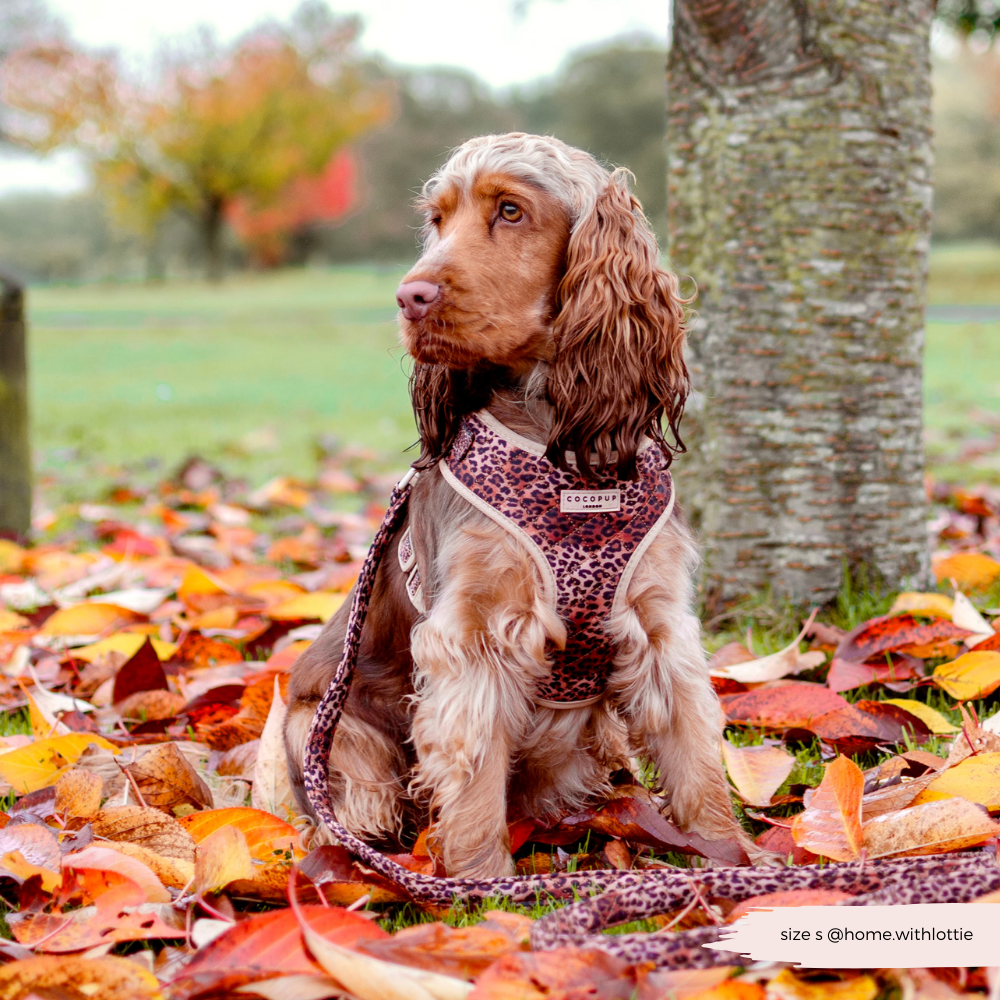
[[252, 373]]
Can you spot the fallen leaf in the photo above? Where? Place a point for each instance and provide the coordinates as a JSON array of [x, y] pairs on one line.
[[729, 655], [239, 761], [730, 989], [147, 827], [266, 835], [970, 570], [174, 872], [141, 672], [11, 556], [165, 780], [893, 634], [757, 772], [126, 643], [318, 606], [221, 858], [768, 668], [201, 652], [296, 987], [37, 844], [930, 717], [463, 952], [831, 823], [109, 978], [932, 605], [78, 794], [150, 706], [977, 778], [967, 616], [844, 675], [793, 704], [788, 897], [87, 619], [272, 942], [787, 986], [271, 790], [973, 675], [935, 827], [198, 584], [35, 766], [100, 858]]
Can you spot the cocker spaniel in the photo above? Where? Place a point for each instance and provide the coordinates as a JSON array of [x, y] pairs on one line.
[[528, 638]]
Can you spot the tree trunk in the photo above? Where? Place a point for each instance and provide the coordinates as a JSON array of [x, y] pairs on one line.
[[15, 453], [212, 233], [800, 202]]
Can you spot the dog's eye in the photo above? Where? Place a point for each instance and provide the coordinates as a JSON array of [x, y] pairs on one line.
[[509, 212], [435, 220]]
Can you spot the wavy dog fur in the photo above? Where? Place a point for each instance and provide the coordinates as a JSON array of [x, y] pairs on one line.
[[552, 310]]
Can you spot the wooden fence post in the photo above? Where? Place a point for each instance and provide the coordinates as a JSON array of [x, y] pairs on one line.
[[15, 449]]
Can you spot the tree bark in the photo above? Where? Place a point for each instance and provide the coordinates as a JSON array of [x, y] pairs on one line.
[[15, 452], [212, 233], [799, 180]]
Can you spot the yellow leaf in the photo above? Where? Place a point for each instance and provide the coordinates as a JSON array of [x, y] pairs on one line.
[[109, 978], [938, 605], [222, 857], [930, 717], [321, 605], [931, 828], [977, 778], [14, 862], [787, 986], [757, 772], [11, 556], [37, 765], [127, 643], [973, 675], [197, 582], [89, 618], [970, 570], [11, 620]]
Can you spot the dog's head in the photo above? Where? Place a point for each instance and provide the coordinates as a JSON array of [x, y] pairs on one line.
[[534, 253]]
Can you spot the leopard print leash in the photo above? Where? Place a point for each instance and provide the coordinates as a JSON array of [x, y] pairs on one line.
[[601, 899]]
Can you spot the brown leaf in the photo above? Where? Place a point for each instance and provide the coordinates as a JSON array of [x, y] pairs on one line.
[[779, 840], [109, 978], [464, 952], [893, 633], [197, 650], [143, 672], [150, 706], [147, 827], [564, 973], [166, 779], [78, 794], [945, 825], [831, 823]]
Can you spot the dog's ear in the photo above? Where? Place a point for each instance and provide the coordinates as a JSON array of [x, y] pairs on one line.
[[619, 337], [441, 397]]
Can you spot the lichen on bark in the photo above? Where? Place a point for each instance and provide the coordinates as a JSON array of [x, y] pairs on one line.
[[799, 200]]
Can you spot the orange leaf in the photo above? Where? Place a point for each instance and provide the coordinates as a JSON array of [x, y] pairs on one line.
[[96, 858], [970, 570], [88, 619], [831, 823], [788, 897], [267, 836], [790, 705]]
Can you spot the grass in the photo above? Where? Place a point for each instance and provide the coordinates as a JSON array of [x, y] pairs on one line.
[[251, 373]]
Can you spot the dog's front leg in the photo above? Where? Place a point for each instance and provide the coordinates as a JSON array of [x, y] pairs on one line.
[[662, 687], [476, 657]]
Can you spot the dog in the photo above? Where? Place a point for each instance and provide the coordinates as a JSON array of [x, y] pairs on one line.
[[537, 315]]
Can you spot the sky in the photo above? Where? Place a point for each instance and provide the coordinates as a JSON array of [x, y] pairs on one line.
[[487, 37]]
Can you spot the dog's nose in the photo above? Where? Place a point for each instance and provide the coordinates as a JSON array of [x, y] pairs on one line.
[[415, 298]]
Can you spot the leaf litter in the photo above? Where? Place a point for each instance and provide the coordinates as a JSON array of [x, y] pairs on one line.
[[150, 845]]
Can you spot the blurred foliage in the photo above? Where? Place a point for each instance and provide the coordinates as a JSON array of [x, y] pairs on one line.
[[967, 145], [969, 16], [213, 126]]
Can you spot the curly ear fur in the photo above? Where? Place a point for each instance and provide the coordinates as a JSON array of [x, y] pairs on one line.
[[619, 334]]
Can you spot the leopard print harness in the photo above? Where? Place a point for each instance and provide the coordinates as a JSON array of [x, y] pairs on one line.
[[600, 899]]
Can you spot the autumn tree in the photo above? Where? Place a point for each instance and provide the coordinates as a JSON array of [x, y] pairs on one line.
[[212, 126], [799, 200]]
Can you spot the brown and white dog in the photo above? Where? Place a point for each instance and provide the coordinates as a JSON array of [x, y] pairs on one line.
[[539, 296]]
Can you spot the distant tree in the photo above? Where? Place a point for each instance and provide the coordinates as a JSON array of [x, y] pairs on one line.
[[216, 125], [22, 22], [968, 16]]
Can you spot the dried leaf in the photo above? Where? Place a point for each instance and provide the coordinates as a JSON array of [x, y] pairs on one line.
[[78, 794], [977, 778], [930, 717], [973, 675], [757, 772], [788, 897], [831, 823], [893, 634], [141, 672], [150, 706], [124, 643], [295, 987], [932, 605], [768, 668], [318, 606], [793, 704], [272, 791], [109, 978], [165, 780], [946, 825], [787, 986], [729, 655], [146, 827], [967, 616], [239, 761], [89, 618], [174, 872], [844, 675]]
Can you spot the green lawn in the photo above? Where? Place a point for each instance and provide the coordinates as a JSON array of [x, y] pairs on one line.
[[250, 373]]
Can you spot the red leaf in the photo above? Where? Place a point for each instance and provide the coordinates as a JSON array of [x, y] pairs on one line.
[[779, 839], [892, 632], [143, 672], [847, 674], [794, 704]]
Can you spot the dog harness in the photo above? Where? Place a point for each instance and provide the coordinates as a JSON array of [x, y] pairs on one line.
[[586, 539]]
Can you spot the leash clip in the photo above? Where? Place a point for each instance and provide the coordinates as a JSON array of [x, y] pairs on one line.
[[410, 476]]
